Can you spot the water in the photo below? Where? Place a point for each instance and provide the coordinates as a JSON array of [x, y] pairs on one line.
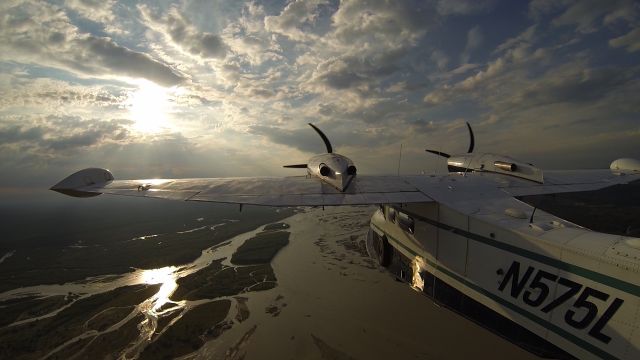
[[152, 308]]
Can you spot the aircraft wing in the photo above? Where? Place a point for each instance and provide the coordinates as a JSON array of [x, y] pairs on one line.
[[466, 191], [562, 181], [284, 191]]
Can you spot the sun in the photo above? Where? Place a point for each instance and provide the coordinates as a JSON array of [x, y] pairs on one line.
[[149, 107]]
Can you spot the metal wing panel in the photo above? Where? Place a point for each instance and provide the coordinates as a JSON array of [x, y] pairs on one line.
[[305, 191], [376, 198], [560, 181], [407, 197], [382, 184], [287, 191]]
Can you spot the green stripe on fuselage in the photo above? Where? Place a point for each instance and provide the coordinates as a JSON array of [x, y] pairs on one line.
[[575, 269], [544, 323]]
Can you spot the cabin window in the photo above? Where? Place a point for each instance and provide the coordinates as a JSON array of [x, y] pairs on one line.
[[406, 222]]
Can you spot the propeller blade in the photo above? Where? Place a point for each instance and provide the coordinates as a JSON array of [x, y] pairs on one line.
[[324, 138], [472, 143], [296, 166], [439, 153]]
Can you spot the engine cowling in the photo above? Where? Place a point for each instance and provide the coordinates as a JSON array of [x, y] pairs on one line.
[[487, 162]]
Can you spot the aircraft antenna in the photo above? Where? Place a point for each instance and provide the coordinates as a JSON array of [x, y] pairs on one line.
[[399, 159]]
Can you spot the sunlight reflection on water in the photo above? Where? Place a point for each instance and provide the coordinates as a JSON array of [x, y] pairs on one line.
[[166, 276]]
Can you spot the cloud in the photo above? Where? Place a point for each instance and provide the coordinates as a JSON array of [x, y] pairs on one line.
[[61, 133], [46, 37], [100, 11], [371, 73], [295, 19], [108, 54], [463, 7], [250, 41], [349, 72], [440, 58], [50, 95], [525, 38], [14, 134], [366, 44], [341, 137], [539, 9], [516, 59], [573, 84], [588, 15], [184, 35], [630, 40], [37, 150], [474, 40], [380, 24]]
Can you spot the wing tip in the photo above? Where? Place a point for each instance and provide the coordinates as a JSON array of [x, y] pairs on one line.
[[75, 184]]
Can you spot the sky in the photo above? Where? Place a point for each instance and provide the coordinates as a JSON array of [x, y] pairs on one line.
[[226, 88]]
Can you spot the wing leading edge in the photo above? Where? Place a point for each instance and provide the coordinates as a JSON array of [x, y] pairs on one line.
[[285, 191], [363, 190]]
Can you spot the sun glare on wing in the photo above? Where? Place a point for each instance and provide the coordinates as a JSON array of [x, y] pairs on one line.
[[149, 107]]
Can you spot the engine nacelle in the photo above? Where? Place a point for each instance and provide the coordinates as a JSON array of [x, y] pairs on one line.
[[334, 169], [486, 162]]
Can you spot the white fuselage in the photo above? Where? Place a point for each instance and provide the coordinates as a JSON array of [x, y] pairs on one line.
[[574, 288]]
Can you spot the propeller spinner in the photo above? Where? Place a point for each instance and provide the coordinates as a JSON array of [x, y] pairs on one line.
[[334, 169]]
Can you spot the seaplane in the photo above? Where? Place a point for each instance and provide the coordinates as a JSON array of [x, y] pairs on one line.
[[464, 239]]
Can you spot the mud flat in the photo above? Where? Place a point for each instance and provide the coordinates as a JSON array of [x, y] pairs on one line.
[[110, 317], [333, 302], [102, 250], [77, 325], [18, 309], [262, 248], [218, 280], [190, 332]]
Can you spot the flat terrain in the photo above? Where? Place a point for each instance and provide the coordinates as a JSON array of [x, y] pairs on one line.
[[218, 285]]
